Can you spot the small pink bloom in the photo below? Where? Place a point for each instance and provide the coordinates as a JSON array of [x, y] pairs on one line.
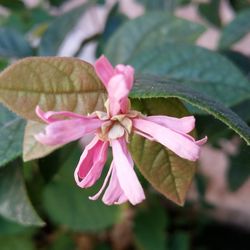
[[112, 129]]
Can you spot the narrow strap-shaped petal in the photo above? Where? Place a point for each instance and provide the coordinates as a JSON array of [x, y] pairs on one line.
[[180, 144], [182, 125], [104, 70], [96, 196], [52, 116], [64, 131], [91, 163], [114, 194], [125, 172]]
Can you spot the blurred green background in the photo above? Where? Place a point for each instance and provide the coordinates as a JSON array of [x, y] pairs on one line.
[[40, 205]]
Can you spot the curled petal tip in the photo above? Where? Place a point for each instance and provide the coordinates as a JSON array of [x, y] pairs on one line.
[[41, 114], [202, 141]]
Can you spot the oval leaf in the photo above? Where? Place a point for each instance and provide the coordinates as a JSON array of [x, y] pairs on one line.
[[149, 30], [32, 149], [54, 83], [150, 87], [195, 67], [167, 172]]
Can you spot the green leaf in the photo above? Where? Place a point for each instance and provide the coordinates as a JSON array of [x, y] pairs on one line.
[[211, 11], [14, 202], [197, 68], [68, 205], [11, 134], [157, 4], [239, 168], [3, 64], [150, 228], [13, 4], [13, 44], [60, 159], [63, 242], [32, 149], [26, 19], [242, 111], [54, 83], [149, 30], [57, 31], [180, 241], [235, 30], [16, 242], [57, 2], [240, 60], [167, 173], [155, 87], [239, 4], [10, 228]]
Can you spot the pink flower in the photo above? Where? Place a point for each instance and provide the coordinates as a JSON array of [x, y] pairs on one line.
[[113, 129]]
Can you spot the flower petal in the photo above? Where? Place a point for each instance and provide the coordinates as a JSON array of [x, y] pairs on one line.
[[91, 163], [52, 116], [114, 194], [118, 90], [127, 178], [180, 144], [128, 72], [96, 196], [183, 125], [201, 141], [118, 94], [104, 70], [62, 132]]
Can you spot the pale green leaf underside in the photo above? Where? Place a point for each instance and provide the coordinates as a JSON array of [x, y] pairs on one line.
[[197, 68], [54, 83], [14, 202], [149, 30], [32, 149], [153, 87], [167, 172]]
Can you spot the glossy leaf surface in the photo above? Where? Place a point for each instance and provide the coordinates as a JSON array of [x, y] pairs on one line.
[[149, 30], [197, 68], [147, 87]]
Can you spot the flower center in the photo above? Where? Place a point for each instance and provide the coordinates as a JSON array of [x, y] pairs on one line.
[[116, 126]]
